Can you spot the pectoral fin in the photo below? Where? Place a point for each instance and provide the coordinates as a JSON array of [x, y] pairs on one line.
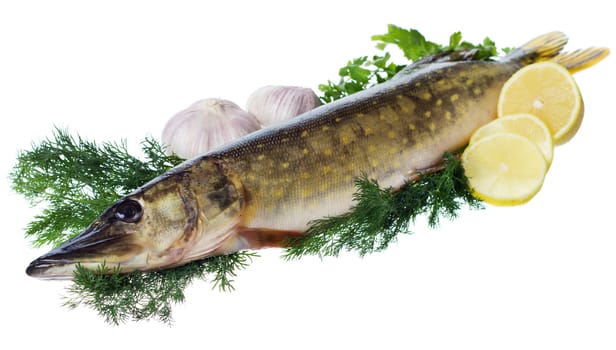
[[257, 238]]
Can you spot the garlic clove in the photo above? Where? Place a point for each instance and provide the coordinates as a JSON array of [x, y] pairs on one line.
[[205, 125], [276, 104]]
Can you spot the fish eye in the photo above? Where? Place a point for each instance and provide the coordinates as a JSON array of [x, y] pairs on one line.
[[128, 211]]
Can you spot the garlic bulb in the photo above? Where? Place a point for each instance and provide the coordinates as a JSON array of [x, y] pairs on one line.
[[277, 104], [206, 124]]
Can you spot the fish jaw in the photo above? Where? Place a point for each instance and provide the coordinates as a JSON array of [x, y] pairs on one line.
[[55, 268], [89, 250]]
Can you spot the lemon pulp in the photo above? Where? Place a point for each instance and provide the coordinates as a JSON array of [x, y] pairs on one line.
[[504, 168], [523, 124], [548, 91]]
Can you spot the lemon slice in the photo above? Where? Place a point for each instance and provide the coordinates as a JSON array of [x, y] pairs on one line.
[[524, 124], [548, 91], [504, 168]]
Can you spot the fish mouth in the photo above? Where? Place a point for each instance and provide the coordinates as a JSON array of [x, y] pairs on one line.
[[51, 268], [89, 249]]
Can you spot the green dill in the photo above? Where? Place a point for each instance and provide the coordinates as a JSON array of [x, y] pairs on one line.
[[139, 296], [76, 179], [380, 215]]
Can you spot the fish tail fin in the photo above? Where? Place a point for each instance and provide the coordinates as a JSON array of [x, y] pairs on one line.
[[578, 60], [541, 48], [549, 46]]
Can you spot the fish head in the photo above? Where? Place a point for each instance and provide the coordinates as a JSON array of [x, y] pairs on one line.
[[183, 215]]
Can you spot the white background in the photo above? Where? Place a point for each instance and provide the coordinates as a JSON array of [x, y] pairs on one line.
[[538, 276]]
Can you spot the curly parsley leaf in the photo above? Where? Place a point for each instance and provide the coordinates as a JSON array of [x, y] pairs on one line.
[[366, 71]]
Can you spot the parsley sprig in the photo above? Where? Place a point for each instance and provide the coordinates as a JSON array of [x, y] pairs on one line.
[[366, 71]]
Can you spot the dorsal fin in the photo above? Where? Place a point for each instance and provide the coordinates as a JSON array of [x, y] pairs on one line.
[[439, 57], [541, 48]]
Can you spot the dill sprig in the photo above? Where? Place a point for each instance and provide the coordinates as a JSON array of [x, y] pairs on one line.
[[149, 295], [76, 179], [380, 215]]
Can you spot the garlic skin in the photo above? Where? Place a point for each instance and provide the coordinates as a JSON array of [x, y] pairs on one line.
[[274, 104], [205, 125]]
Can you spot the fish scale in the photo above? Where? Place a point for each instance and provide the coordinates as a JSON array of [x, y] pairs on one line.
[[387, 133]]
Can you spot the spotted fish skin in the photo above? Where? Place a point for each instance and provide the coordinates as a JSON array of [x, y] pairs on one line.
[[266, 187], [304, 170]]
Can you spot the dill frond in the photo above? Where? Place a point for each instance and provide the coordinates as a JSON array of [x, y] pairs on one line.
[[137, 296], [380, 215], [76, 180]]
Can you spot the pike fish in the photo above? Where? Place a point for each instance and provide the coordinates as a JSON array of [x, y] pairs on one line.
[[265, 188]]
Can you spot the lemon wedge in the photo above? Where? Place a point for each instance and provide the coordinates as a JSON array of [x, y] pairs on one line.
[[523, 124], [504, 168], [548, 91]]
